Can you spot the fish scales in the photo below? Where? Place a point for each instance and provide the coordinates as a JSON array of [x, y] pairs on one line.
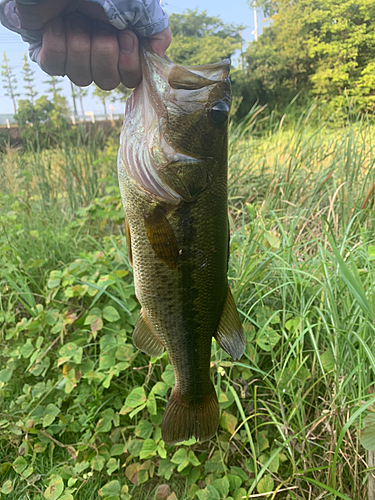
[[173, 178]]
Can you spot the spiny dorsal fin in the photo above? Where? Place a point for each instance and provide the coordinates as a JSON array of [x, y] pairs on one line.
[[128, 242], [229, 335], [145, 339], [161, 237]]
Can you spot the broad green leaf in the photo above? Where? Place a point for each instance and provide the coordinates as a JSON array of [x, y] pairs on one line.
[[222, 486], [117, 449], [66, 496], [111, 488], [193, 476], [328, 360], [110, 314], [137, 410], [162, 452], [7, 487], [208, 493], [97, 463], [160, 388], [237, 471], [51, 413], [168, 376], [181, 458], [149, 449], [266, 484], [194, 488], [53, 283], [267, 339], [19, 465], [240, 494], [234, 481], [272, 239], [27, 349], [228, 422], [273, 466], [92, 315], [136, 397], [151, 404], [144, 429], [48, 419], [5, 375], [96, 325], [262, 440], [67, 352], [112, 465], [105, 422], [106, 361], [367, 434], [166, 468], [124, 352], [131, 472], [193, 459], [55, 488]]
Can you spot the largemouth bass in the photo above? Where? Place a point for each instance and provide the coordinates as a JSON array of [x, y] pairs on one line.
[[172, 168]]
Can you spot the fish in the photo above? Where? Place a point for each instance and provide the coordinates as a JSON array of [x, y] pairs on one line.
[[172, 169]]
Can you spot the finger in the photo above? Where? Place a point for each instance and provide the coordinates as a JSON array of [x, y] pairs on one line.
[[53, 53], [105, 59], [129, 65], [161, 41], [78, 50]]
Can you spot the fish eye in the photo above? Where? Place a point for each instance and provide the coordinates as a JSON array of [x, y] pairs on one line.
[[219, 112]]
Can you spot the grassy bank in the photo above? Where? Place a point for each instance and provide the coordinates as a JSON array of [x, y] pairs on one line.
[[80, 408]]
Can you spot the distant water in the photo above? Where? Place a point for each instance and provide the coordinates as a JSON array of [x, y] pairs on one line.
[[4, 117]]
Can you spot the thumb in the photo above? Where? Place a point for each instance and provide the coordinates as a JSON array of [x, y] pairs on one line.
[[161, 41]]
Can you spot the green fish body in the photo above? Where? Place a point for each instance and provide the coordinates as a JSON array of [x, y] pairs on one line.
[[173, 177]]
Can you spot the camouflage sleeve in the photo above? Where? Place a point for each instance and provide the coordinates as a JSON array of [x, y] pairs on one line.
[[144, 17]]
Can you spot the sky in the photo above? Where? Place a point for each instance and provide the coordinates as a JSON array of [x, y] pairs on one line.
[[230, 11]]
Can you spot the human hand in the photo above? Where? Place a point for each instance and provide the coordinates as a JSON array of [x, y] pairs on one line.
[[79, 41]]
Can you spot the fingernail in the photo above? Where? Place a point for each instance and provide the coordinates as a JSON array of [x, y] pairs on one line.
[[126, 43], [57, 26]]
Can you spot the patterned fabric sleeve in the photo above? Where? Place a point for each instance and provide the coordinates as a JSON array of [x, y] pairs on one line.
[[144, 17]]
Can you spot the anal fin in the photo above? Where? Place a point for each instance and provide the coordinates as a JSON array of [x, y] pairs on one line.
[[229, 335], [145, 339]]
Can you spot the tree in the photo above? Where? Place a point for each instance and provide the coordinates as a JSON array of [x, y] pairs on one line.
[[202, 39], [74, 96], [80, 93], [28, 77], [315, 48], [61, 106], [102, 95], [10, 82]]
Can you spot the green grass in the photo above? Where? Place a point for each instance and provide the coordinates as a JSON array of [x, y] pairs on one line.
[[79, 406]]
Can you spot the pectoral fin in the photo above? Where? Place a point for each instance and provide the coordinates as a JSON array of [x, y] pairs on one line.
[[128, 242], [161, 236], [145, 339], [229, 335]]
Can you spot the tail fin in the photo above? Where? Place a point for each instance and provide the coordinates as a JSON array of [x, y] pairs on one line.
[[184, 419]]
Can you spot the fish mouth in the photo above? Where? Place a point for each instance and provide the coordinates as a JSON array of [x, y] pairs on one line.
[[148, 147], [181, 77]]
